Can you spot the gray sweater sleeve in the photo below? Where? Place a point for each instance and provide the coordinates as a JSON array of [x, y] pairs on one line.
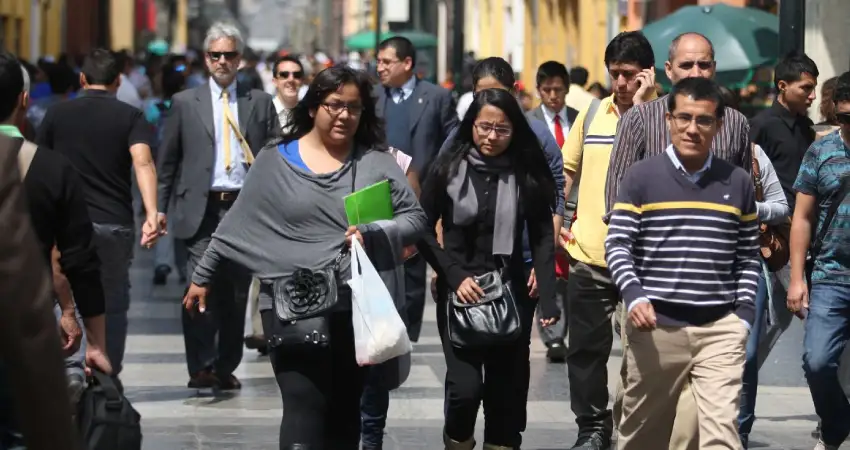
[[774, 208]]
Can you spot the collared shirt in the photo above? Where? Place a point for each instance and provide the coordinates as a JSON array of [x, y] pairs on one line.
[[11, 131], [406, 89], [643, 133], [677, 163], [549, 115], [283, 114], [785, 137], [222, 180]]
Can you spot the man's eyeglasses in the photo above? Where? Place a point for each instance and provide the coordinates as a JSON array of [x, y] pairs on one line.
[[295, 74], [215, 56], [843, 118], [684, 120], [336, 109], [703, 65], [485, 128]]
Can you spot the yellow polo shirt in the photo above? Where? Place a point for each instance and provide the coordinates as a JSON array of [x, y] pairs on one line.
[[592, 153]]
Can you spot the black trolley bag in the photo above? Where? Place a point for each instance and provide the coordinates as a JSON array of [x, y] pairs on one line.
[[106, 420]]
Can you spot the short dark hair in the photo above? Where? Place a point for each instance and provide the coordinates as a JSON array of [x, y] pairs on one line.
[[61, 78], [494, 67], [287, 58], [579, 75], [11, 84], [674, 44], [101, 67], [403, 48], [792, 67], [842, 89], [552, 69], [630, 47], [698, 88]]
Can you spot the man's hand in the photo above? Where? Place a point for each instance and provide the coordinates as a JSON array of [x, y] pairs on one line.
[[434, 286], [150, 232], [642, 316], [70, 332], [646, 89], [532, 285], [565, 237], [162, 221], [96, 357], [797, 298]]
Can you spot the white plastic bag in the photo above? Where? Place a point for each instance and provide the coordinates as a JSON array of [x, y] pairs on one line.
[[379, 333]]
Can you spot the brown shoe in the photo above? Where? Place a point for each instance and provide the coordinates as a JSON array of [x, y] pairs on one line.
[[255, 342], [204, 379], [229, 383]]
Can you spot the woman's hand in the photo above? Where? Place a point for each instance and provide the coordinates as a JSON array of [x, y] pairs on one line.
[[353, 231], [469, 291], [550, 321], [532, 285], [196, 295]]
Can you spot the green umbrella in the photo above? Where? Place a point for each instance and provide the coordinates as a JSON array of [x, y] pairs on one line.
[[744, 38], [365, 40]]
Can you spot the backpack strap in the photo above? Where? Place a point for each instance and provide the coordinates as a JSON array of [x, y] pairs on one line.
[[26, 153], [572, 200], [591, 114]]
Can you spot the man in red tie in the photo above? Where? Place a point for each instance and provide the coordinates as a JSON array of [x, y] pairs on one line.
[[553, 83]]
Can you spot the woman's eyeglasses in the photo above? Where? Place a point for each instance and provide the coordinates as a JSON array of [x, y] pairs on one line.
[[485, 128], [215, 56], [284, 74], [337, 108]]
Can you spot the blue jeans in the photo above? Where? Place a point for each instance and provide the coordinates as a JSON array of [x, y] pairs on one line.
[[114, 244], [746, 415], [374, 403], [76, 363], [827, 331]]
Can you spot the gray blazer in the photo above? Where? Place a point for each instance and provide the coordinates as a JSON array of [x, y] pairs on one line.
[[187, 154], [432, 117]]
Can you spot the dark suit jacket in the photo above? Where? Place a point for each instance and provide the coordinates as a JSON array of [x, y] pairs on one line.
[[432, 118], [537, 113], [29, 339], [187, 155]]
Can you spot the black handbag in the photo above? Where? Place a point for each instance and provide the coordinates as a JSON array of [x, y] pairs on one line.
[[302, 302], [106, 419], [494, 319]]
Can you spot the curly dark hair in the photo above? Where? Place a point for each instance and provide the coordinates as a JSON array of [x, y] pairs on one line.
[[370, 130]]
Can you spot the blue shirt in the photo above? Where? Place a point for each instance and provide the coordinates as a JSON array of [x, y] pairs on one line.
[[292, 154], [824, 164], [221, 179], [693, 177]]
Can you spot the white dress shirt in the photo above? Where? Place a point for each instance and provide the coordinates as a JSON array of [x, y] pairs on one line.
[[222, 180], [550, 120], [283, 114]]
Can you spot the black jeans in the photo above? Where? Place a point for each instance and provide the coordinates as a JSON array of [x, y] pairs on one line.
[[497, 376], [320, 389]]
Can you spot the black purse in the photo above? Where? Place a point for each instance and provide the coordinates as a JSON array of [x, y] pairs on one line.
[[493, 320]]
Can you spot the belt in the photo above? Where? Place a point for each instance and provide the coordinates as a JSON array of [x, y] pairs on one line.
[[223, 196]]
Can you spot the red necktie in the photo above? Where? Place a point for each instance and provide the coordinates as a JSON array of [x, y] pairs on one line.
[[559, 132]]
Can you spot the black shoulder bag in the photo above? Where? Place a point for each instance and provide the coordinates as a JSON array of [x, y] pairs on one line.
[[303, 300], [817, 244], [106, 419], [494, 319]]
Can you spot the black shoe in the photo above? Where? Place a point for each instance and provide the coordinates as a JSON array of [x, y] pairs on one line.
[[594, 441], [160, 275], [557, 352], [816, 432]]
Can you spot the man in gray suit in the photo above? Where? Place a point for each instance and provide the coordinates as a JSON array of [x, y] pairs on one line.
[[210, 140], [419, 117]]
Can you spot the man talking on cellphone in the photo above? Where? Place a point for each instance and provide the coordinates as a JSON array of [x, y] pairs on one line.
[[643, 133]]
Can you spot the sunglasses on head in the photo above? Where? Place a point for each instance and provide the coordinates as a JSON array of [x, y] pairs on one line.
[[295, 74], [843, 118], [215, 56]]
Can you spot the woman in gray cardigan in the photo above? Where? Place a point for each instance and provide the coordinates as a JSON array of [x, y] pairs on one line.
[[290, 216]]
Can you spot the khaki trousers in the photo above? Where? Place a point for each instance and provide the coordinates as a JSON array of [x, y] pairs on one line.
[[661, 362], [685, 434]]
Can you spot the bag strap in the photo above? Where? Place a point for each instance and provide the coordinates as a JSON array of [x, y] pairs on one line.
[[591, 114], [837, 198], [26, 153], [757, 175], [588, 119], [110, 390]]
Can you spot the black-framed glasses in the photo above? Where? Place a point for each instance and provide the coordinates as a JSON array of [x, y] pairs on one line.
[[684, 120], [843, 118], [215, 56], [703, 65], [297, 74], [485, 128], [336, 108]]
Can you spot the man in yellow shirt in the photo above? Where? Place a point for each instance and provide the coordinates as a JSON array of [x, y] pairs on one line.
[[591, 294]]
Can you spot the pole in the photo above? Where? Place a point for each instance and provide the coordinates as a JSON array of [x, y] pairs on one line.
[[457, 44], [378, 15], [792, 23]]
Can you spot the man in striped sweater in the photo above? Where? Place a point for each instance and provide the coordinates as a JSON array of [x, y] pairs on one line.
[[682, 248]]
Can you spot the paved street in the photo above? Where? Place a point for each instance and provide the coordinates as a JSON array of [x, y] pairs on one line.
[[175, 417]]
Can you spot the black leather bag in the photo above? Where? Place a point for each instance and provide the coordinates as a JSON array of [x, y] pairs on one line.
[[493, 320], [106, 419], [302, 302]]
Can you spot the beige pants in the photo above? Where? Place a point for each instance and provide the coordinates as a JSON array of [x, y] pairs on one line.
[[685, 434], [659, 365], [256, 326]]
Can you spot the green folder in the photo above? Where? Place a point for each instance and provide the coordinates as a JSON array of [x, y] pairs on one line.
[[369, 204]]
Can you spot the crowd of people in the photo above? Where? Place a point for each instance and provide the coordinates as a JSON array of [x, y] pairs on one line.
[[664, 219]]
